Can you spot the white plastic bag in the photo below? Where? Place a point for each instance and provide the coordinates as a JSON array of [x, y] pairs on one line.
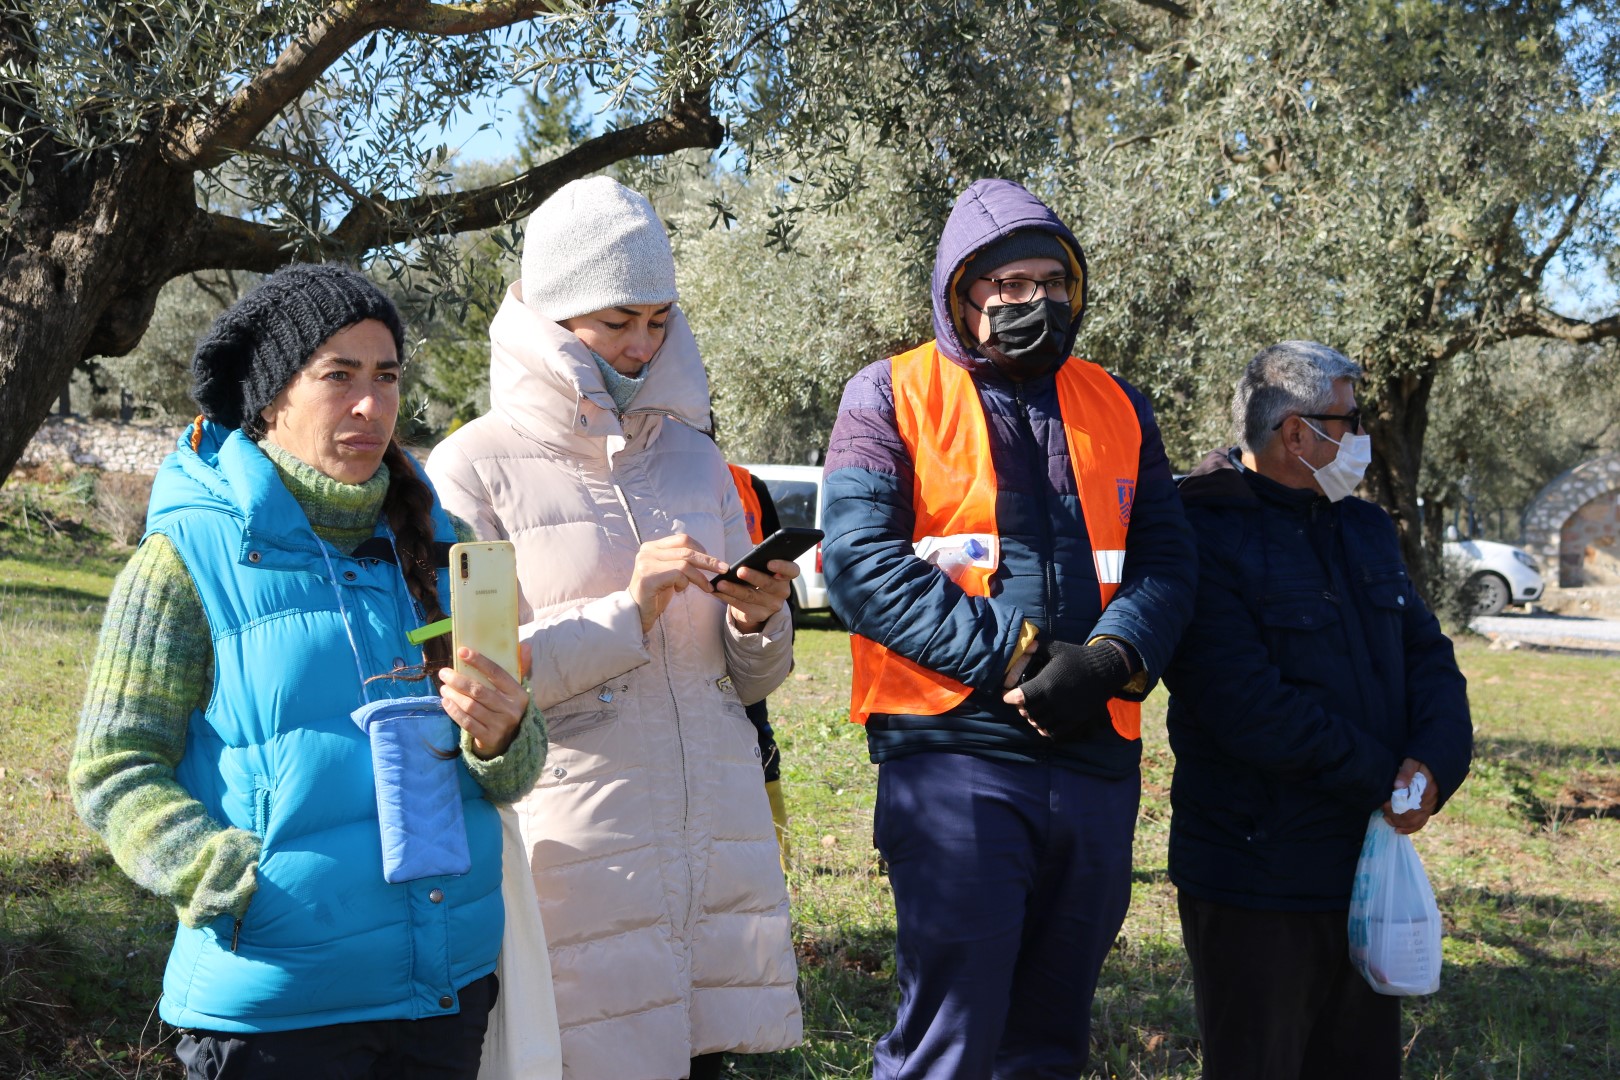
[[1394, 921], [522, 1042]]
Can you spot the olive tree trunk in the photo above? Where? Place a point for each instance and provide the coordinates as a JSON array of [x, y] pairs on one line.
[[1399, 423], [80, 276]]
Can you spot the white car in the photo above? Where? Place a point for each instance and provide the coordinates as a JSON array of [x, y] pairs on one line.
[[1499, 574], [797, 492]]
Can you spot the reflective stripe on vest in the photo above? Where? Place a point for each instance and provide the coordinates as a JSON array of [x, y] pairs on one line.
[[745, 491], [941, 421]]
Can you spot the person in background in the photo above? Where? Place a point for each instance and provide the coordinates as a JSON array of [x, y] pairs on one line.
[[1005, 543], [759, 514], [291, 546], [649, 835], [1311, 684]]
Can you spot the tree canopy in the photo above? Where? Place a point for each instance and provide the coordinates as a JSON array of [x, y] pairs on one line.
[[129, 128], [1396, 179], [1411, 183], [1406, 181]]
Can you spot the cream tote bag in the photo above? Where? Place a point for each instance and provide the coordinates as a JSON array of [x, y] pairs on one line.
[[522, 1042]]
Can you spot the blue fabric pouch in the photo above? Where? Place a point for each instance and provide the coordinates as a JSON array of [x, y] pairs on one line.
[[415, 756]]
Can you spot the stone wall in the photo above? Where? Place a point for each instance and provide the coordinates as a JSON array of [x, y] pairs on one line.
[[1597, 602], [135, 447], [1588, 550], [1573, 523]]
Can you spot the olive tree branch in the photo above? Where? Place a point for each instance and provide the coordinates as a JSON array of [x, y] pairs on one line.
[[203, 142], [1539, 322], [1599, 165], [373, 222]]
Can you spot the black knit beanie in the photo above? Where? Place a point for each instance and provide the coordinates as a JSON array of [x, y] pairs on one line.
[[1022, 244], [256, 346]]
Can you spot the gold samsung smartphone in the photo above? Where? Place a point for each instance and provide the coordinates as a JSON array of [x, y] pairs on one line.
[[484, 604]]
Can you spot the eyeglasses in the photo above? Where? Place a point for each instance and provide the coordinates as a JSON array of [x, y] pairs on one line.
[[1017, 290], [1351, 418]]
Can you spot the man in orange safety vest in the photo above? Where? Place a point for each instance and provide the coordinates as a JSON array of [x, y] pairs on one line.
[[1006, 546]]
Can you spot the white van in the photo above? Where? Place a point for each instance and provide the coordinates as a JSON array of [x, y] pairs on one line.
[[797, 492]]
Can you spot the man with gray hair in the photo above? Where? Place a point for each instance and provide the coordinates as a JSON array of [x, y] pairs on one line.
[[1311, 684]]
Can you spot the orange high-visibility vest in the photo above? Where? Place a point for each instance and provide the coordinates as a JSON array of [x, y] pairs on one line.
[[745, 491], [941, 421]]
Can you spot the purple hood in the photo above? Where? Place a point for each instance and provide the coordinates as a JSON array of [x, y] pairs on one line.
[[985, 212]]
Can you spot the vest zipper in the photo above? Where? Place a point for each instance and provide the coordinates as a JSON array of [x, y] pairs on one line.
[[1049, 570], [236, 934]]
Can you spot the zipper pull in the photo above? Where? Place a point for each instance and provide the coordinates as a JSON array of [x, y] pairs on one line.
[[236, 934]]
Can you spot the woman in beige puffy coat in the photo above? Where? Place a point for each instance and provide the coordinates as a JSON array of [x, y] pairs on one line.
[[649, 835]]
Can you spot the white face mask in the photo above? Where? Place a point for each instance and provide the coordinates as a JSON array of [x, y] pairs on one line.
[[1343, 474]]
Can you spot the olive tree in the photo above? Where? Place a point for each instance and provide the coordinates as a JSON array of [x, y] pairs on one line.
[[316, 114], [1409, 182], [1403, 181], [783, 327], [1505, 421], [122, 120]]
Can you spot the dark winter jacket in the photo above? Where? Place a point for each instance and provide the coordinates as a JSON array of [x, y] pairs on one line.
[[1311, 669], [1046, 575]]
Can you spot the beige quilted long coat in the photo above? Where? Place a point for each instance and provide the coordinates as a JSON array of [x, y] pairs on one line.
[[649, 834]]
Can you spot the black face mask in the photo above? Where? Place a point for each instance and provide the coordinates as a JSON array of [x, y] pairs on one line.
[[1026, 340]]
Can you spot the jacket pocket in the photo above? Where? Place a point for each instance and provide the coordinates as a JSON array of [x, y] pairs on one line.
[[1296, 626], [586, 748], [1299, 610], [1385, 587], [589, 710], [1385, 596]]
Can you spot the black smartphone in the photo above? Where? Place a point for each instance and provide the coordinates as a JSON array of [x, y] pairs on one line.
[[787, 543]]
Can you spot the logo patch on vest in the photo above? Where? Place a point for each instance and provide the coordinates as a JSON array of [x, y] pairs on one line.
[[1127, 496]]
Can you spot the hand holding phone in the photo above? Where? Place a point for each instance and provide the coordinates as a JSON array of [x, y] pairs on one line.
[[785, 543]]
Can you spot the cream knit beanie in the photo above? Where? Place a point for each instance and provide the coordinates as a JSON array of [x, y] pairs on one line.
[[595, 244]]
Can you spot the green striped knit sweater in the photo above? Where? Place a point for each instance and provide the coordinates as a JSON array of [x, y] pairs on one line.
[[153, 667]]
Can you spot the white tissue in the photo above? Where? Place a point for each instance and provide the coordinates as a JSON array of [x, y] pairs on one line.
[[1409, 798]]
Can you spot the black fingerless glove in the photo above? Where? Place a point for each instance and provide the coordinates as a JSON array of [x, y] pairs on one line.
[[1067, 687]]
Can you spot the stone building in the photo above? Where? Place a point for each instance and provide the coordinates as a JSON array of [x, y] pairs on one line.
[[1573, 525]]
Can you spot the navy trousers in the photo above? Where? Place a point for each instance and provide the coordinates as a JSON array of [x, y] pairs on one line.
[[1010, 880], [435, 1048]]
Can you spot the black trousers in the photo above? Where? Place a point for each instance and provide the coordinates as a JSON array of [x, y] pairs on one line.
[[1278, 999], [436, 1048], [706, 1067]]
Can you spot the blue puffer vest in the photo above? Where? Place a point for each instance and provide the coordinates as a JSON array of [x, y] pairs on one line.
[[325, 939]]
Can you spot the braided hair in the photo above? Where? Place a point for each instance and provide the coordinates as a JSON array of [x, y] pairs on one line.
[[408, 505]]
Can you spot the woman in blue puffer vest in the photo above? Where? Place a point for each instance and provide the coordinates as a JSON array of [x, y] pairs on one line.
[[254, 651]]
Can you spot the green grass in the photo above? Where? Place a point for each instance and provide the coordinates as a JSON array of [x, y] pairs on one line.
[[81, 949], [1525, 864], [1527, 876]]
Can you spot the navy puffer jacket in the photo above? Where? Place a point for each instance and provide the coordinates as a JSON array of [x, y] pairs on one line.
[[1311, 669], [881, 590]]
